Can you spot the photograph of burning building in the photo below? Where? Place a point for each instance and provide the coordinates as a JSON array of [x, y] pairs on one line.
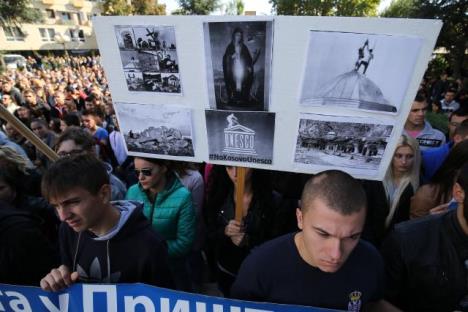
[[149, 58]]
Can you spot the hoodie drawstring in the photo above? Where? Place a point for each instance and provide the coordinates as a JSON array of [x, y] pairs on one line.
[[108, 262], [76, 252]]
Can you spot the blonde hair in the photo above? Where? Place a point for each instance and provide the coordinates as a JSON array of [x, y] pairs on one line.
[[9, 157], [411, 177]]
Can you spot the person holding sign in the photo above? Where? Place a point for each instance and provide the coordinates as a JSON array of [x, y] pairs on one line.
[[325, 264], [96, 235], [232, 239]]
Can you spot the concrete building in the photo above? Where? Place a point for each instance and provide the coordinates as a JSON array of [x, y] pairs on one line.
[[66, 25]]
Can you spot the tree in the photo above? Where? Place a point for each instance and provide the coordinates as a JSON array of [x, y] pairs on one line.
[[116, 7], [197, 7], [137, 7], [453, 34], [148, 7], [234, 7], [326, 7], [14, 12]]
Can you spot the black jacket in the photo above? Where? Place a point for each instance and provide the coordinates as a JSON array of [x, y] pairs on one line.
[[378, 209], [425, 267], [136, 254], [26, 255]]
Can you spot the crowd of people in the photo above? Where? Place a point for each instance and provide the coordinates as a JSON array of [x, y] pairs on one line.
[[97, 215]]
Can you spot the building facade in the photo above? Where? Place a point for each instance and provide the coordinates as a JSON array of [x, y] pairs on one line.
[[66, 25]]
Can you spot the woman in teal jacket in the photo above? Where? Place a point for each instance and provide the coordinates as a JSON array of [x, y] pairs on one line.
[[168, 206]]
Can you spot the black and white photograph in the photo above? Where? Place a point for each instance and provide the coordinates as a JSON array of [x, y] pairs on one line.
[[239, 56], [350, 142], [156, 129], [359, 71], [236, 136], [152, 51]]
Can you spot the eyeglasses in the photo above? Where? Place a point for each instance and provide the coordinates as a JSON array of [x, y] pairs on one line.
[[146, 172], [70, 153]]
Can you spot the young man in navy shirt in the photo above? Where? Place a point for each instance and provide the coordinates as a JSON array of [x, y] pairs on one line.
[[325, 264]]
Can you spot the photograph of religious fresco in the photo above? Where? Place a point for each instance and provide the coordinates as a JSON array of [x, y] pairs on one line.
[[149, 53], [156, 129], [239, 58], [360, 71], [237, 136], [351, 142]]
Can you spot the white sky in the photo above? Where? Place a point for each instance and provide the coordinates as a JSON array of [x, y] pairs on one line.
[[263, 7]]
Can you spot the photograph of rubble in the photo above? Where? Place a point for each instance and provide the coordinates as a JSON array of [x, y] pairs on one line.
[[360, 71], [236, 136], [156, 129], [239, 64], [149, 58], [351, 142]]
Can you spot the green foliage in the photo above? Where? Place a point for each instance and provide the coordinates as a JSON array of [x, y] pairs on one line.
[[326, 7], [453, 14], [116, 7], [400, 8], [138, 7], [148, 7], [197, 7], [437, 66], [18, 11], [234, 7]]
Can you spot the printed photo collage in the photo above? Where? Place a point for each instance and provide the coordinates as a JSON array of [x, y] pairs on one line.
[[363, 72]]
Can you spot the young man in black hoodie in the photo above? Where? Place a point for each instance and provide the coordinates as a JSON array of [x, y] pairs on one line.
[[100, 241]]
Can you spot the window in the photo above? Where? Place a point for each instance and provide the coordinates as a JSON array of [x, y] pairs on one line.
[[50, 13], [77, 35], [13, 33], [66, 16], [47, 34]]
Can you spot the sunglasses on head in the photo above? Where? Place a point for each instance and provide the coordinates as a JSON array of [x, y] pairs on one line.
[[146, 172]]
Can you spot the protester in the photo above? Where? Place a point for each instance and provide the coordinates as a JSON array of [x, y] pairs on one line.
[[426, 259], [389, 200], [75, 141], [418, 128], [96, 235], [325, 264], [436, 195], [168, 206]]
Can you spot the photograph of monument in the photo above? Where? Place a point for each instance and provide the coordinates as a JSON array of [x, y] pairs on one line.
[[351, 142], [240, 136], [156, 129], [239, 64], [148, 53], [360, 71]]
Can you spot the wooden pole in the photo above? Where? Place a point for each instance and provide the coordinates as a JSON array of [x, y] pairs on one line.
[[240, 187], [27, 133]]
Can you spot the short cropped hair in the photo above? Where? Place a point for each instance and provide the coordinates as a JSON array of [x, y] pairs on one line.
[[420, 97], [340, 192], [80, 136], [83, 171], [462, 129]]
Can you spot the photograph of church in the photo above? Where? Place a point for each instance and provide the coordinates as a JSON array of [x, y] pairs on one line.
[[358, 71], [342, 142]]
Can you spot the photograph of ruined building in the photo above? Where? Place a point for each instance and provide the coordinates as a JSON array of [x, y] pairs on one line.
[[359, 71], [156, 129], [339, 143]]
